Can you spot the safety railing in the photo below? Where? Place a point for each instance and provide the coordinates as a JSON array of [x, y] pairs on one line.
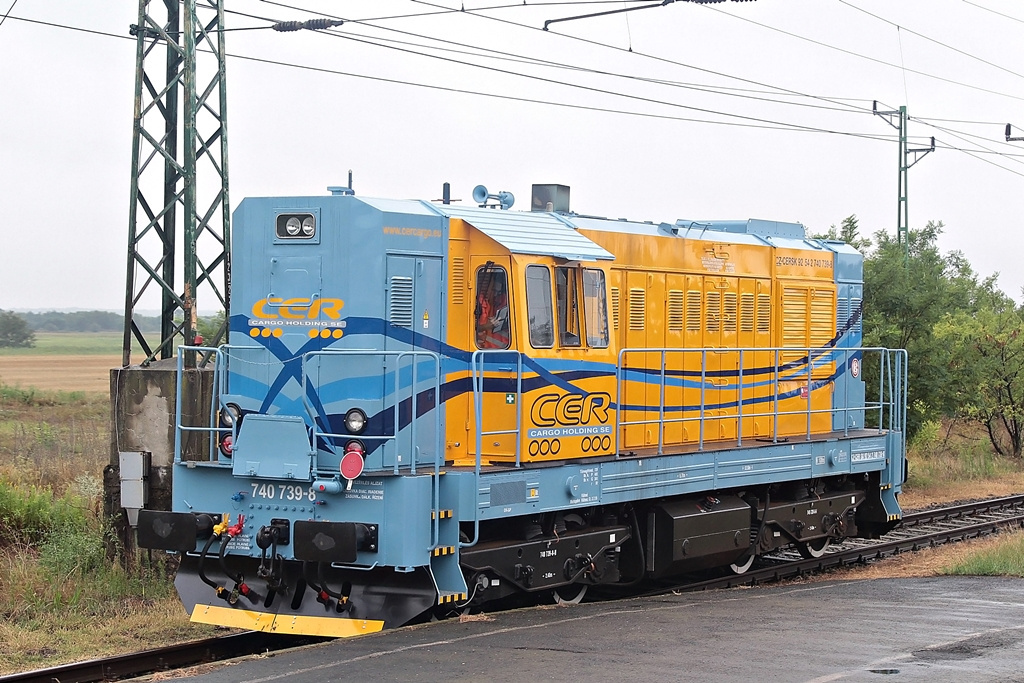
[[222, 357], [399, 395], [749, 387], [422, 392], [493, 360], [211, 429]]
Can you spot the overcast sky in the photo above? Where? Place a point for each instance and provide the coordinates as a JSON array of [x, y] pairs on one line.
[[682, 111]]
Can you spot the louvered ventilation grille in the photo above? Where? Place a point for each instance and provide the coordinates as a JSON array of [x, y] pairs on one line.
[[746, 312], [401, 301], [842, 313], [764, 313], [675, 310], [729, 312], [615, 308], [637, 308], [713, 312], [823, 323], [855, 305], [794, 317], [693, 311], [458, 280]]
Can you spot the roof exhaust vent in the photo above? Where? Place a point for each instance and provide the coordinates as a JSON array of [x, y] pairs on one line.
[[550, 198]]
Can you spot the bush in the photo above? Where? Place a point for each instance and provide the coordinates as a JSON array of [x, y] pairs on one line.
[[1003, 559], [938, 456], [28, 515]]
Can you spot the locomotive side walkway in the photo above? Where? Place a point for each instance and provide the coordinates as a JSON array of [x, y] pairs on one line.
[[935, 629]]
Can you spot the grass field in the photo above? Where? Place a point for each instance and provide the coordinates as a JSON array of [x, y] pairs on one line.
[[64, 361], [71, 344], [89, 374]]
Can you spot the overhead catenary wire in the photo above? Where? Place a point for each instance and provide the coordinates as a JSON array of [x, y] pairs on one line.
[[980, 157], [776, 125], [932, 40], [863, 56], [963, 135], [604, 91], [9, 10], [753, 125], [763, 125], [490, 8], [663, 60], [841, 103], [989, 9]]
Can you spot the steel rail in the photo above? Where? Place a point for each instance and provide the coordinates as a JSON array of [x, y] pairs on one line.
[[162, 659]]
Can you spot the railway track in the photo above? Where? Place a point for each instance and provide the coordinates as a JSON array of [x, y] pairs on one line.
[[164, 659], [927, 528]]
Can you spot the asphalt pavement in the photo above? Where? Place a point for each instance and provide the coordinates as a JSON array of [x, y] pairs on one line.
[[882, 630]]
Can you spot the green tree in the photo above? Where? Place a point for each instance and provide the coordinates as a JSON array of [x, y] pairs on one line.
[[985, 370], [849, 232], [14, 331], [906, 293], [211, 329]]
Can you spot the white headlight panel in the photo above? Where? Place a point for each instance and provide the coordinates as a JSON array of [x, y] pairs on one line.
[[296, 226]]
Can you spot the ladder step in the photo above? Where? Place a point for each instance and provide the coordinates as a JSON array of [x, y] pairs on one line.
[[444, 550], [445, 598], [441, 514]]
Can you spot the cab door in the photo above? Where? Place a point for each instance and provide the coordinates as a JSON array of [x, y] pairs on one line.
[[493, 363], [412, 324]]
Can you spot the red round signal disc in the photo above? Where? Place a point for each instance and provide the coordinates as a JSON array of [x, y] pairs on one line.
[[351, 465]]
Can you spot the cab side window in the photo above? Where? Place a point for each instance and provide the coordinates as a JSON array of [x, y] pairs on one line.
[[567, 302], [595, 308], [538, 307], [491, 310]]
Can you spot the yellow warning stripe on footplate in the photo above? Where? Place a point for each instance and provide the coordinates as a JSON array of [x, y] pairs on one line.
[[294, 624]]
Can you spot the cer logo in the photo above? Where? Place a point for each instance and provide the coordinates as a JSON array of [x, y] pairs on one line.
[[570, 409], [273, 308]]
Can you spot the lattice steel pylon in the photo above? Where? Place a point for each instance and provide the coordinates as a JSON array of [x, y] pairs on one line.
[[898, 120], [164, 178]]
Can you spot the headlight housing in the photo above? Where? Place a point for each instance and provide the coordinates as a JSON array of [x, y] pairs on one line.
[[230, 414], [295, 226], [355, 421]]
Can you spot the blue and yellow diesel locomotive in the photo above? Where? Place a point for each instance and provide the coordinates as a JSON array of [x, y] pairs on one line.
[[425, 406]]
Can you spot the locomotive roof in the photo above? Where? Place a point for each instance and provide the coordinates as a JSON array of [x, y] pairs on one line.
[[530, 232]]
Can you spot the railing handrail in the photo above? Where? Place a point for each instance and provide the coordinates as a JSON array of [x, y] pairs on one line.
[[398, 355], [892, 365], [477, 367]]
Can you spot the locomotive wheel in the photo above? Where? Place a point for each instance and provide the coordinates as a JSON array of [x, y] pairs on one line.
[[579, 589], [812, 550], [743, 565]]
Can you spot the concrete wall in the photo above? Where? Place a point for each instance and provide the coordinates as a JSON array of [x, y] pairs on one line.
[[142, 402]]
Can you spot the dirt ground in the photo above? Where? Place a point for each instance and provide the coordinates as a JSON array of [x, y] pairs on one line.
[[59, 373]]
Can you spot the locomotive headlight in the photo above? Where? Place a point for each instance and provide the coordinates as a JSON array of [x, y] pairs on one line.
[[229, 415], [296, 226], [355, 421], [308, 226]]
